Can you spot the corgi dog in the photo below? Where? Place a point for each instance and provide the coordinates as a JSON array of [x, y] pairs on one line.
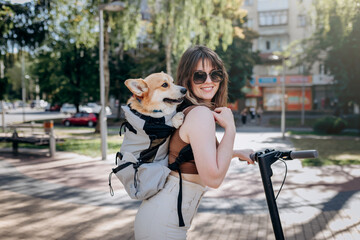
[[150, 116], [156, 96], [150, 119]]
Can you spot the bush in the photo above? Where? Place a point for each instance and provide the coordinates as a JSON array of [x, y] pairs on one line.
[[332, 125]]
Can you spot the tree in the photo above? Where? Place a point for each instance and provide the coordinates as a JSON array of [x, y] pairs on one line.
[[23, 27], [239, 60], [336, 43], [178, 23], [68, 74], [125, 28]]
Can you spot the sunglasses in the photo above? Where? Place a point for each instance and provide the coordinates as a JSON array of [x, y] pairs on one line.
[[201, 76]]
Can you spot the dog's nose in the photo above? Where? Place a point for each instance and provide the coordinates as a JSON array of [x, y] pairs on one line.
[[183, 90]]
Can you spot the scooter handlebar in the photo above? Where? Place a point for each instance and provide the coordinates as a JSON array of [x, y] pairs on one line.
[[291, 154], [304, 154]]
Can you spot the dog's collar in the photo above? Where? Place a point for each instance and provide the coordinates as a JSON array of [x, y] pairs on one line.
[[142, 116], [156, 111]]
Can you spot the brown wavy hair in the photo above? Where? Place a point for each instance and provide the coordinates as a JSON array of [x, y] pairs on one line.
[[186, 69]]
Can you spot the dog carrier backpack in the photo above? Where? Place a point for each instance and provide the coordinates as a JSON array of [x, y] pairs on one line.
[[142, 160]]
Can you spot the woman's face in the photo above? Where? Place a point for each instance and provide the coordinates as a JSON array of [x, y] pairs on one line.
[[208, 89]]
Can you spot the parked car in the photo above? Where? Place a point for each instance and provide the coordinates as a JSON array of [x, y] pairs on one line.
[[53, 107], [81, 119], [70, 108], [6, 108], [39, 104], [96, 108]]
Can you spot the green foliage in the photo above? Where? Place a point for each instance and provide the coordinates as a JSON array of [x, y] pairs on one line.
[[330, 125], [239, 60], [23, 25], [75, 22], [177, 24], [336, 43], [126, 25], [68, 74]]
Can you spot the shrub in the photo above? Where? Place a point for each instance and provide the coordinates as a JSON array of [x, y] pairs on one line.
[[334, 125]]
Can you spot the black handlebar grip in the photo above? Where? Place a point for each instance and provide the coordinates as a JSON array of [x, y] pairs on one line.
[[304, 154], [252, 157]]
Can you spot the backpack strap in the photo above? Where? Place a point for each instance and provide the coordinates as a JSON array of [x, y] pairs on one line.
[[185, 155]]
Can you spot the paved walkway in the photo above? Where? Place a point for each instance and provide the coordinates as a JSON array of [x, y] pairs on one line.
[[67, 197]]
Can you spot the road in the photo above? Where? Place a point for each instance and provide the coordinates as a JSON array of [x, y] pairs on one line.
[[17, 115]]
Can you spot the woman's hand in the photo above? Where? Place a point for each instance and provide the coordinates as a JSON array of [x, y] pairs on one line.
[[224, 117], [244, 155]]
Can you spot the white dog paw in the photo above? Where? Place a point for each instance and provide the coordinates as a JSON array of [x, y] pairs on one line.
[[178, 119]]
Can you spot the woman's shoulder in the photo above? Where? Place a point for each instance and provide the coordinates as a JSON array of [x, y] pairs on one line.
[[199, 120], [198, 114]]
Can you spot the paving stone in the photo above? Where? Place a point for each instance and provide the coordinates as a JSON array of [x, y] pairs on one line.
[[67, 197]]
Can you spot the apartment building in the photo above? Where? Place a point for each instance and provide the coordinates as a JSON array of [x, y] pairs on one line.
[[279, 23]]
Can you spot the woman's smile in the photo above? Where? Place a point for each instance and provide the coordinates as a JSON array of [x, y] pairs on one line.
[[207, 90]]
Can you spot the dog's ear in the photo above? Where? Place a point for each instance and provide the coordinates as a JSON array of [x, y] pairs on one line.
[[137, 86]]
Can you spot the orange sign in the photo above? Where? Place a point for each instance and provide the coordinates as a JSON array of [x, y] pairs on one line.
[[297, 79], [294, 99]]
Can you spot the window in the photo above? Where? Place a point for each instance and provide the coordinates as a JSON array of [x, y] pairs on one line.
[[267, 45], [273, 18], [301, 21], [323, 69], [248, 2], [249, 23]]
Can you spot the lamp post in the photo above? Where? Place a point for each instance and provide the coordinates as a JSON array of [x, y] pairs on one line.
[[282, 58], [111, 7], [23, 89], [283, 100]]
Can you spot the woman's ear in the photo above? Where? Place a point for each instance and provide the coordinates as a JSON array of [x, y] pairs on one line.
[[137, 86]]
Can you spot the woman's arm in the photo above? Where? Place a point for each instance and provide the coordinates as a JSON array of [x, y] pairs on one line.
[[199, 130], [243, 155]]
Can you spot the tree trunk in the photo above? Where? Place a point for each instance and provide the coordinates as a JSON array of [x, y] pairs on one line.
[[106, 59], [168, 48], [106, 67]]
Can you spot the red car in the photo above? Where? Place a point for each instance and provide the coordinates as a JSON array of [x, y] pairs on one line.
[[83, 118]]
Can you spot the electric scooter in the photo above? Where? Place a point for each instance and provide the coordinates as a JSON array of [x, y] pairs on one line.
[[265, 160]]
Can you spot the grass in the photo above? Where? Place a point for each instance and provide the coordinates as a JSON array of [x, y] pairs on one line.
[[331, 151], [292, 122], [88, 147], [295, 132]]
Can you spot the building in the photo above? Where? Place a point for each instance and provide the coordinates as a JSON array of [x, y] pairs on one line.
[[280, 23]]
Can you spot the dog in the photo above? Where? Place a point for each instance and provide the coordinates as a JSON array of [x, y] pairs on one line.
[[151, 111], [156, 96]]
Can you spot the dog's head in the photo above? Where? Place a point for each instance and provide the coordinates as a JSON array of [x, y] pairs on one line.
[[156, 95]]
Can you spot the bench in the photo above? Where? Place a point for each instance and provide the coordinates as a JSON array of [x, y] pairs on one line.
[[47, 138]]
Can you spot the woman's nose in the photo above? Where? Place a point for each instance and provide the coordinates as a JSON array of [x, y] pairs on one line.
[[208, 79]]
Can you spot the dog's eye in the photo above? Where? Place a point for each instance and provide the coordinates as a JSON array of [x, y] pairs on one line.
[[165, 85]]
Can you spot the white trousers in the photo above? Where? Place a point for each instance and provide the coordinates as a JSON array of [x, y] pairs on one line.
[[157, 218]]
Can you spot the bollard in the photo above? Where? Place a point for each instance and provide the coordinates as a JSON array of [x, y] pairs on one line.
[[49, 129], [15, 144]]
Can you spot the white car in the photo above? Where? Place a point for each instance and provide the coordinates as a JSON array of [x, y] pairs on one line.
[[96, 108], [70, 108], [6, 107]]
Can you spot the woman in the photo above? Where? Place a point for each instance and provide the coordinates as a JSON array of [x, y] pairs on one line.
[[203, 73]]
